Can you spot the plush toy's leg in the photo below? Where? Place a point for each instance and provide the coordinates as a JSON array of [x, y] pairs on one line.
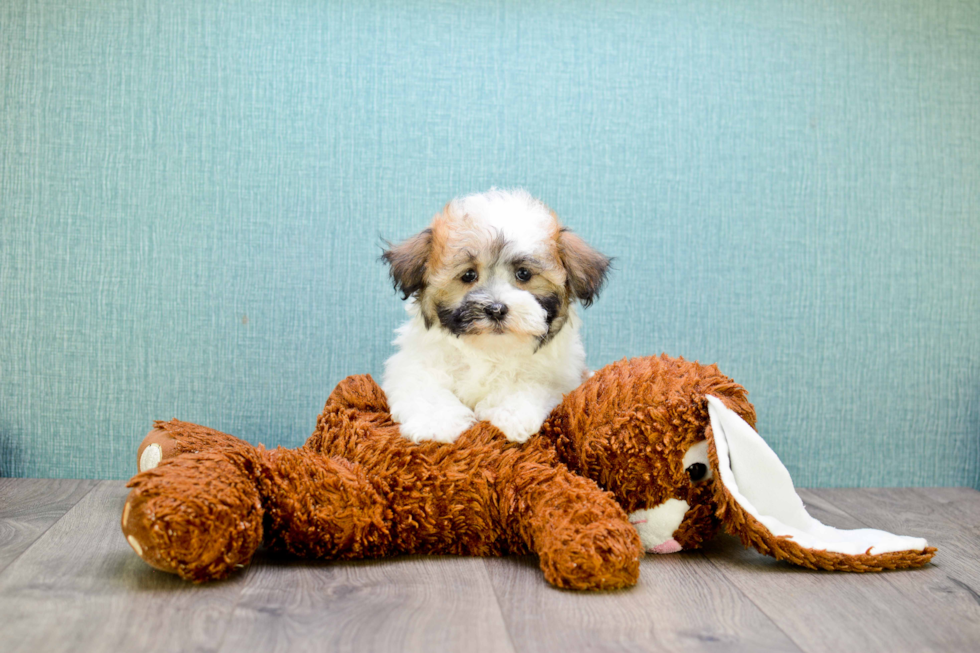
[[201, 514], [323, 507], [198, 515], [581, 535], [359, 392], [170, 439]]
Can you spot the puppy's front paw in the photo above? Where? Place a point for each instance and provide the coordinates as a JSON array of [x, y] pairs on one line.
[[441, 424], [517, 422]]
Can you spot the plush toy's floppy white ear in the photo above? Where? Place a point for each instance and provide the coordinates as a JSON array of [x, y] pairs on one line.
[[757, 501]]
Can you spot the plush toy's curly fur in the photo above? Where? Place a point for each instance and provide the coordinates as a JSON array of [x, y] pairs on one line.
[[358, 489]]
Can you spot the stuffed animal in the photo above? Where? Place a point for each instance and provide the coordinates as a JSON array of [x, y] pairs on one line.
[[650, 454]]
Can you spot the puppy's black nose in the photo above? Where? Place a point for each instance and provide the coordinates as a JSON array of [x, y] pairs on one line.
[[496, 311]]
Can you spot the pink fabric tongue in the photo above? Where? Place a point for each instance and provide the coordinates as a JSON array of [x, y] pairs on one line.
[[670, 546]]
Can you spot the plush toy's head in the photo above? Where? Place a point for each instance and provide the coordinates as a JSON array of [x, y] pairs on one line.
[[637, 428], [675, 443]]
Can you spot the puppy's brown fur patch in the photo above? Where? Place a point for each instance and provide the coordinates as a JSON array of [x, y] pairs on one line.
[[430, 264], [408, 261], [587, 268]]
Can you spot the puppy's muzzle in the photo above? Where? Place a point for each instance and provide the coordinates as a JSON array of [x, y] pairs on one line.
[[496, 311]]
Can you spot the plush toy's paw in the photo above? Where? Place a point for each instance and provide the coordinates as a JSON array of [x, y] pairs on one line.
[[170, 439], [517, 420], [601, 556], [199, 516], [440, 424]]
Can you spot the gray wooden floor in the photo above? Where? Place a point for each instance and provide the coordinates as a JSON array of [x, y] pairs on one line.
[[69, 582]]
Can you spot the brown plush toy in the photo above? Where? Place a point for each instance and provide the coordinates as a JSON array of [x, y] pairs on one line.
[[648, 454]]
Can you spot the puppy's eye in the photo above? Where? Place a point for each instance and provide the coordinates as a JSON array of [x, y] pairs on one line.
[[697, 471], [469, 276], [523, 274]]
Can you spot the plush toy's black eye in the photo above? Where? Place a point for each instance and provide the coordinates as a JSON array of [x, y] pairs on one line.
[[697, 471], [523, 274], [468, 277]]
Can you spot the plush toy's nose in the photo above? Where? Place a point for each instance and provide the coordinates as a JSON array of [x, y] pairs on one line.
[[656, 525], [670, 546]]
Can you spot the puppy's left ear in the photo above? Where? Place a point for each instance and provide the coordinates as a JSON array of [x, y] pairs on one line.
[[585, 266], [408, 261]]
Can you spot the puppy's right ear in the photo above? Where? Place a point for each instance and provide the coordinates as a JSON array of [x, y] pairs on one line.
[[408, 260]]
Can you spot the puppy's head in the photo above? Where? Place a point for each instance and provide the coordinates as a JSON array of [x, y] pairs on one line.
[[494, 263]]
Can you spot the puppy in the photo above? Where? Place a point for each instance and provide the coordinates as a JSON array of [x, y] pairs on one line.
[[492, 334]]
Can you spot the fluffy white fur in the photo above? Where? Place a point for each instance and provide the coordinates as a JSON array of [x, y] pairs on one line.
[[439, 384]]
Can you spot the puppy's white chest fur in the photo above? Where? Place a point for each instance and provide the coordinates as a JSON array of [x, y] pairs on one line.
[[478, 367], [501, 378]]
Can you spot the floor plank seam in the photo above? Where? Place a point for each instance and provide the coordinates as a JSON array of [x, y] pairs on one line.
[[721, 570], [500, 607], [964, 586], [96, 483]]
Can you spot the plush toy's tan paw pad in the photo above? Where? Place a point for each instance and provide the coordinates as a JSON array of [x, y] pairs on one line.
[[133, 542], [151, 456], [157, 446]]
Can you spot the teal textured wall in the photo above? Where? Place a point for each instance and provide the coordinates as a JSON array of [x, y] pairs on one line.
[[192, 196]]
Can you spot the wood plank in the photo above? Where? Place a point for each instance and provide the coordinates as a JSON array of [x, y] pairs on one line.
[[29, 506], [81, 588], [404, 604], [682, 603], [910, 610]]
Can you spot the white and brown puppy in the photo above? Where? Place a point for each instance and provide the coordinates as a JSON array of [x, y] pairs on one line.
[[493, 333]]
